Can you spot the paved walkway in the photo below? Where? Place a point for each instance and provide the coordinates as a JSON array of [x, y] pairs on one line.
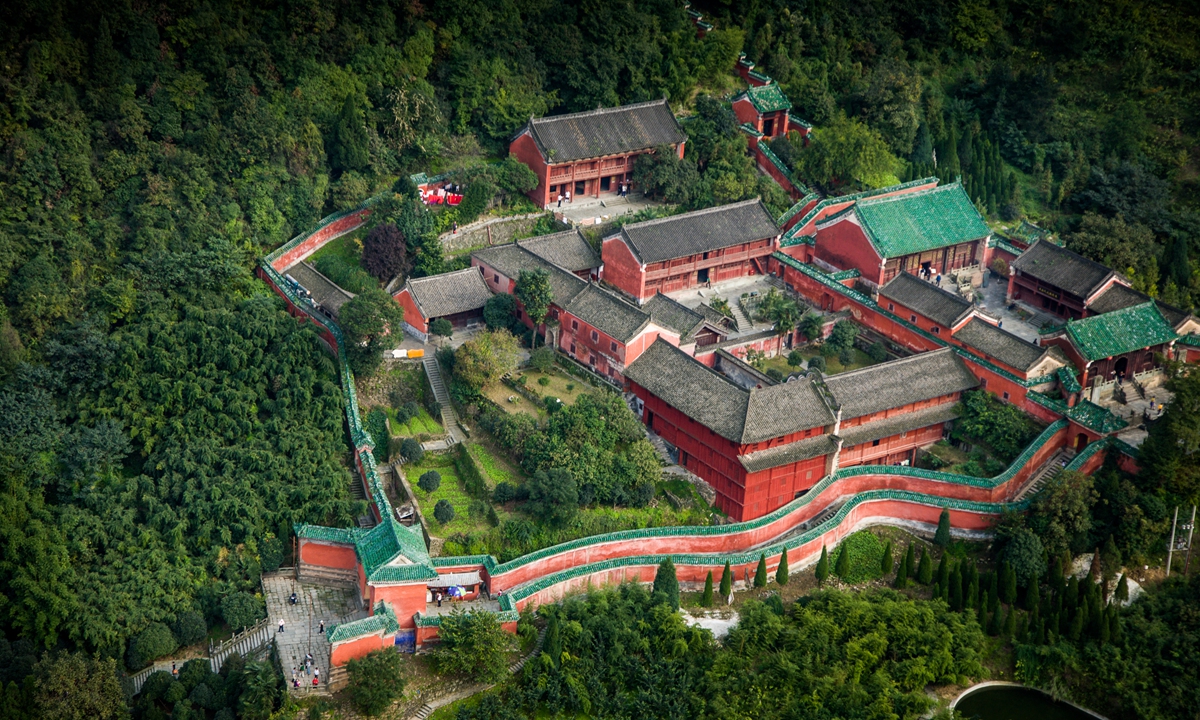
[[731, 291], [591, 211], [301, 635], [431, 609]]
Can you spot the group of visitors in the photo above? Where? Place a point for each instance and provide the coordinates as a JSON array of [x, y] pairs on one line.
[[623, 191], [308, 669]]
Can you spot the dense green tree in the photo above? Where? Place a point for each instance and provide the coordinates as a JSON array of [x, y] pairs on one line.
[[1061, 512], [372, 321], [376, 680], [72, 687], [500, 312], [844, 153], [942, 536], [553, 496], [430, 481], [241, 610], [443, 511], [1023, 553], [726, 581], [534, 291], [822, 569], [385, 252], [760, 573], [473, 644], [484, 358], [781, 572], [925, 569], [707, 597]]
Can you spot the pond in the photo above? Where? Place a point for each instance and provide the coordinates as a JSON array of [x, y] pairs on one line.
[[1011, 702]]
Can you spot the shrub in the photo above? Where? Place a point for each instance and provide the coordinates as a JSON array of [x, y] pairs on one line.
[[190, 627], [442, 327], [443, 512], [270, 556], [543, 381], [795, 359], [706, 598], [430, 481], [859, 560], [376, 680], [942, 536], [775, 374], [846, 356], [241, 610], [150, 644], [817, 363], [760, 573], [411, 451], [377, 429], [570, 387], [877, 352], [402, 415], [781, 572], [504, 492], [1000, 267]]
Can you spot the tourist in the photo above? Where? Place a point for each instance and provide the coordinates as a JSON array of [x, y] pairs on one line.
[[568, 196], [455, 224], [314, 682], [174, 670], [321, 629], [296, 683], [560, 199], [437, 596], [939, 279], [280, 624], [292, 599]]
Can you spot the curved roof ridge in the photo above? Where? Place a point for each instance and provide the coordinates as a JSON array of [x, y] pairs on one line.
[[690, 213], [600, 111]]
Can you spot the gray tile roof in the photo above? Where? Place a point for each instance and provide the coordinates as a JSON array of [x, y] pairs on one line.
[[511, 259], [1062, 268], [743, 416], [940, 306], [673, 316], [606, 311], [569, 250], [605, 131], [879, 429], [688, 386], [792, 452], [999, 344], [449, 293], [1119, 297], [900, 382], [699, 231], [324, 291]]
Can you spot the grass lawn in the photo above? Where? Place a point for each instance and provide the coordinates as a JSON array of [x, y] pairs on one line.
[[501, 394], [833, 366], [494, 466], [563, 387], [349, 246], [422, 423], [451, 490]]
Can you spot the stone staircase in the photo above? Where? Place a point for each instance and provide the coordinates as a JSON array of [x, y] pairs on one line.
[[246, 643], [358, 492], [739, 316], [321, 575], [449, 418], [1047, 472]]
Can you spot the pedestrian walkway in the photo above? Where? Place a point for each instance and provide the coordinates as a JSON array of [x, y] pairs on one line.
[[301, 634], [449, 417]]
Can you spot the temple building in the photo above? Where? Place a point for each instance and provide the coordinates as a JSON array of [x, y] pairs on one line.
[[690, 250], [595, 326], [1016, 355], [1060, 282], [457, 296], [592, 153], [1118, 344], [764, 109], [936, 230], [761, 444], [925, 304]]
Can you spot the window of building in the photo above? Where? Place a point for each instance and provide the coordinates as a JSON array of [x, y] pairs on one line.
[[983, 382], [874, 443], [572, 348], [574, 324], [1005, 396], [891, 307], [808, 475], [595, 336], [912, 318], [936, 330], [592, 360], [904, 434], [496, 277], [612, 346]]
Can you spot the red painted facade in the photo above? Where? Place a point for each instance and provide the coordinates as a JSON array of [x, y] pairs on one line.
[[622, 269], [321, 236], [412, 315], [332, 555], [772, 124], [588, 177]]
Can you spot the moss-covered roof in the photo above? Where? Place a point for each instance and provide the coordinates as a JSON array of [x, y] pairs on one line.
[[391, 552], [924, 220], [767, 98], [1120, 331]]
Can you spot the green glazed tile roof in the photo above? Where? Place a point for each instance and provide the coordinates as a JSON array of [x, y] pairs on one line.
[[816, 209], [919, 221], [383, 621], [1070, 383], [327, 534], [388, 541], [768, 98], [1120, 331], [795, 209], [1190, 339], [750, 130]]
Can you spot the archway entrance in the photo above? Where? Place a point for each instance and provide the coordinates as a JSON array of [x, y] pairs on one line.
[[1081, 441], [1121, 366]]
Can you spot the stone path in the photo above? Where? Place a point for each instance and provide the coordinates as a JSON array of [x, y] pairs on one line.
[[449, 417], [302, 624]]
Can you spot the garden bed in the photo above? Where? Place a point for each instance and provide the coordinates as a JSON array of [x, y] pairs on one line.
[[450, 490], [423, 423], [833, 366]]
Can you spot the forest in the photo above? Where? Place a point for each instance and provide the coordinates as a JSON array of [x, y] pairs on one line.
[[165, 421]]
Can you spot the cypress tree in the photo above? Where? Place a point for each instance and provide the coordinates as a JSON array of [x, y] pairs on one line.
[[902, 575], [925, 569], [994, 626], [943, 572], [823, 566], [885, 561], [942, 536], [993, 601], [1033, 596], [936, 591], [706, 599], [1076, 628], [667, 582], [726, 581], [1040, 639], [1056, 575], [552, 645], [910, 561], [842, 568], [1122, 593], [1105, 628], [1008, 584], [760, 574], [972, 598], [1114, 632], [1071, 594], [1010, 622], [781, 572]]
